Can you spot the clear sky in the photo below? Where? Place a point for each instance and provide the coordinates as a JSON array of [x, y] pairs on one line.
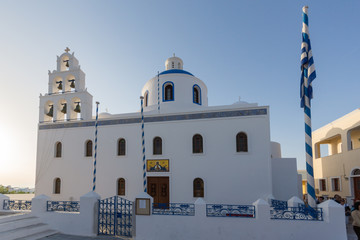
[[246, 48]]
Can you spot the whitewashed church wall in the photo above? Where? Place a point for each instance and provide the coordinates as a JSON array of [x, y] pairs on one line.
[[285, 180], [226, 173]]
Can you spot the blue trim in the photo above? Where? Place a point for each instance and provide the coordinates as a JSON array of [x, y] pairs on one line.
[[175, 71], [173, 91], [166, 118], [195, 85]]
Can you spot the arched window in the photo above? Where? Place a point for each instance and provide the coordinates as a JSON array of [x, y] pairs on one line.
[[356, 172], [58, 149], [57, 185], [197, 143], [198, 187], [121, 147], [146, 99], [157, 146], [196, 94], [88, 148], [168, 91], [241, 142], [121, 187]]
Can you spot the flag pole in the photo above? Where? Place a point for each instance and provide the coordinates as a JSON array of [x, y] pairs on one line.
[[158, 83], [308, 74], [95, 153], [143, 143]]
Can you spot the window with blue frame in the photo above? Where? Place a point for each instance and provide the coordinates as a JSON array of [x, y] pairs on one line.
[[196, 94], [168, 91]]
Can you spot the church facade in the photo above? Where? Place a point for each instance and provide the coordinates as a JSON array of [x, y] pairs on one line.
[[221, 153]]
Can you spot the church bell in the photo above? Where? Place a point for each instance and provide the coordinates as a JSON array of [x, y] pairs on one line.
[[51, 111], [67, 63], [60, 85], [63, 110], [72, 83], [77, 108]]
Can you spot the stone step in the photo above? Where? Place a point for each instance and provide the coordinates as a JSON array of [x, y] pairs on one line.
[[18, 223], [38, 235], [23, 231], [12, 218]]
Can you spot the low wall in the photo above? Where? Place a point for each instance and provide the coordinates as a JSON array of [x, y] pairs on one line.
[[83, 223], [164, 227]]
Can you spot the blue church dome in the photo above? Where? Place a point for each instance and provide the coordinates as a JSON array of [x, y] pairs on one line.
[[175, 71]]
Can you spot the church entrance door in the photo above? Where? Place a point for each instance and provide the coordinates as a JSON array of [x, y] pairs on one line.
[[158, 188], [357, 188]]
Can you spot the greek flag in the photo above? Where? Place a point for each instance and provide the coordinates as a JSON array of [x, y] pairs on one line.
[[308, 73]]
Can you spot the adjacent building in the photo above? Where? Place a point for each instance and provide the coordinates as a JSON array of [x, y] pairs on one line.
[[337, 157]]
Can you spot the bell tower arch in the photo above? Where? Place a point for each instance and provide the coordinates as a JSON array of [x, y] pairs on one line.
[[67, 98]]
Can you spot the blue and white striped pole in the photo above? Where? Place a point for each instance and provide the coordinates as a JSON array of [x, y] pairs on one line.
[[308, 74], [143, 143], [158, 82], [95, 153]]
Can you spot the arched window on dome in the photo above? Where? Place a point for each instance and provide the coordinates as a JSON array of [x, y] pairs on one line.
[[241, 142], [196, 94], [88, 148], [57, 185], [198, 187], [121, 187], [58, 150], [197, 143], [157, 146], [168, 91], [121, 147], [146, 99]]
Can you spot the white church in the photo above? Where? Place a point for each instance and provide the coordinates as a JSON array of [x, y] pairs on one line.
[[220, 153]]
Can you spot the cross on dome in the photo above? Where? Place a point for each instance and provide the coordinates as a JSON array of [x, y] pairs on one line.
[[67, 49]]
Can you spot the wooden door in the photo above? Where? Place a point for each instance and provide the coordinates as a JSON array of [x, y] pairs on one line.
[[357, 188], [158, 188]]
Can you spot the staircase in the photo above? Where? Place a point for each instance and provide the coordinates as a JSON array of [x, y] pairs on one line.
[[23, 227]]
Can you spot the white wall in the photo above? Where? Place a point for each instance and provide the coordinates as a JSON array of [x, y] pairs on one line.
[[200, 227], [285, 178], [228, 176]]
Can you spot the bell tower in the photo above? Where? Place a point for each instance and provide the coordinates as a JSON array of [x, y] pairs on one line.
[[67, 98]]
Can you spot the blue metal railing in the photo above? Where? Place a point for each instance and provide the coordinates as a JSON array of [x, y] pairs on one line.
[[16, 205], [227, 210], [278, 204], [179, 209], [63, 206], [297, 213]]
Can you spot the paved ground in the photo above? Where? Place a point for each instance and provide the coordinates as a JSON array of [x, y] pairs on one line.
[[71, 237], [350, 236]]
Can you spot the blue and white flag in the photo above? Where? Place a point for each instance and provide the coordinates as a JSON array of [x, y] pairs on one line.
[[308, 73]]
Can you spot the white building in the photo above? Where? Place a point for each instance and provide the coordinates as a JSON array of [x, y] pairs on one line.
[[221, 153]]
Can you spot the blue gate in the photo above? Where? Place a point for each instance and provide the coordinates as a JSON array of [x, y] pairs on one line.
[[115, 217]]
